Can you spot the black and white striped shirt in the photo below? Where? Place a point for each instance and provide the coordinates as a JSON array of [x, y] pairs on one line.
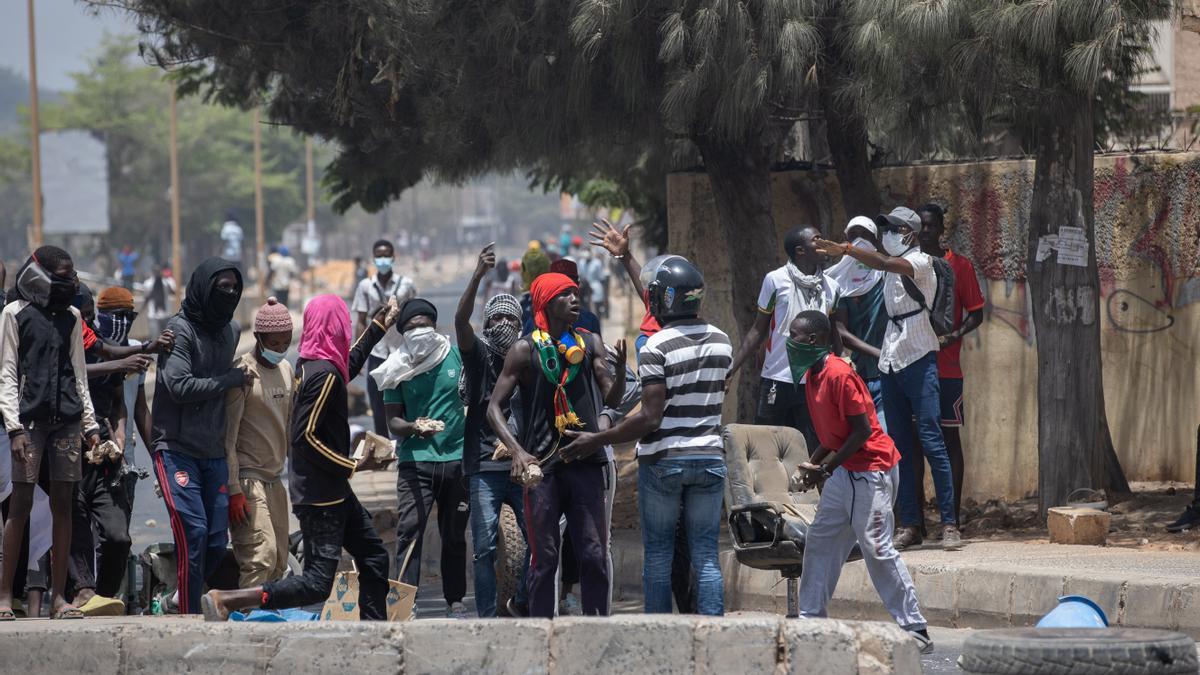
[[692, 359]]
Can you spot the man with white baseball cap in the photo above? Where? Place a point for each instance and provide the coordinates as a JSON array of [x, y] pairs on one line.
[[861, 308], [908, 368]]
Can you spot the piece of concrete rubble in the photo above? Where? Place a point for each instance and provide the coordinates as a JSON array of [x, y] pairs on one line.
[[1074, 525]]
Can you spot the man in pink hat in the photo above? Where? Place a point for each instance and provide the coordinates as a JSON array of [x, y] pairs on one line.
[[256, 442]]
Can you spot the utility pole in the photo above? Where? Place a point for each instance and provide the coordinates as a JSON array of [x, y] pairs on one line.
[[35, 130], [259, 231], [308, 179], [176, 255]]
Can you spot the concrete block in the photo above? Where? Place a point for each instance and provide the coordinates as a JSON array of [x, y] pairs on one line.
[[192, 646], [1187, 610], [1155, 603], [659, 644], [737, 645], [27, 647], [885, 648], [484, 646], [1034, 594], [937, 591], [984, 597], [1069, 525], [337, 646], [819, 646], [1105, 589]]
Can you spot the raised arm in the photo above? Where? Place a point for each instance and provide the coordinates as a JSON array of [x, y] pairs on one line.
[[616, 242], [383, 320], [466, 303], [873, 259]]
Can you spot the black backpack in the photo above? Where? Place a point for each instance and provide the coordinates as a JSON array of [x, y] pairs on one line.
[[941, 312]]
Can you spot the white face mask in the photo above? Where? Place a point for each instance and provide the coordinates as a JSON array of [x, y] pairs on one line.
[[893, 243], [422, 341]]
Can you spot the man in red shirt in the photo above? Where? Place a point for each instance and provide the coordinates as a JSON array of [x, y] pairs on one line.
[[859, 465], [968, 314]]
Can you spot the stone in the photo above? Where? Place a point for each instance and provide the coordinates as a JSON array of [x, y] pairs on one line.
[[819, 646], [449, 646], [659, 644], [747, 644], [886, 648], [1071, 525]]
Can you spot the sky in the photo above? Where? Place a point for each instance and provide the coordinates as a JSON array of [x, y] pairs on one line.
[[68, 32]]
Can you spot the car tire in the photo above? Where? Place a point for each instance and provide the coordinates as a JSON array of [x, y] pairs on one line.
[[510, 558], [1077, 651]]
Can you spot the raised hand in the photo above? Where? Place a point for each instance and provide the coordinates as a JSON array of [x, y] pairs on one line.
[[487, 260], [609, 238]]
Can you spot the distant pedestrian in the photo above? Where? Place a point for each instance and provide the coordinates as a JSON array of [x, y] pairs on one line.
[[858, 465], [231, 239], [420, 384], [968, 316], [908, 363], [371, 294], [256, 442], [159, 298], [283, 271], [128, 259], [188, 422], [47, 407], [331, 517]]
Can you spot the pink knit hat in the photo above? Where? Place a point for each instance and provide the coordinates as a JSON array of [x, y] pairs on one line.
[[273, 318]]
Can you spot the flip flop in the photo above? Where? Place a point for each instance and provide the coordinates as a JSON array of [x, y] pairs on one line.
[[7, 615], [67, 612], [101, 606]]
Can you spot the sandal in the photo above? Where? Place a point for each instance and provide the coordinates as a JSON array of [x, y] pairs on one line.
[[67, 612], [7, 615]]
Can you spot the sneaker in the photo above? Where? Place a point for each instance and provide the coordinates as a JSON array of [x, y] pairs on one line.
[[951, 538], [906, 537], [924, 642], [570, 606], [456, 610], [1188, 520], [516, 610]]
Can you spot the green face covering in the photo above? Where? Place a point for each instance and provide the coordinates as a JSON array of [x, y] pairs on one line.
[[801, 357]]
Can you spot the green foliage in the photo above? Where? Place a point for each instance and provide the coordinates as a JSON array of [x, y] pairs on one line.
[[126, 104]]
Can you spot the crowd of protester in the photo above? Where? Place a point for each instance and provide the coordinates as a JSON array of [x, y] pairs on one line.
[[524, 411]]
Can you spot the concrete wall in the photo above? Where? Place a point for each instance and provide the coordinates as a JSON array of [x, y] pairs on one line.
[[1148, 247], [632, 645]]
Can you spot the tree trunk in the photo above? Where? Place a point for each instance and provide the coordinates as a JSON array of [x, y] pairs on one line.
[[741, 185], [845, 133], [1074, 444]]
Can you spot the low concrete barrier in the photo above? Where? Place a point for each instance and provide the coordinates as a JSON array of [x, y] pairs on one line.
[[629, 645]]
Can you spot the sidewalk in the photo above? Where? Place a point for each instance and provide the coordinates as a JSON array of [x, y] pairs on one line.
[[986, 585]]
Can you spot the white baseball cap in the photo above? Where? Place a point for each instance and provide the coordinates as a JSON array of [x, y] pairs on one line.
[[864, 222]]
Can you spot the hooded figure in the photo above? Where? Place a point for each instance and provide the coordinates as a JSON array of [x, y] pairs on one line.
[[188, 419]]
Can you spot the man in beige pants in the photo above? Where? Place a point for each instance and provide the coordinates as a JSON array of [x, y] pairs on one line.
[[256, 445]]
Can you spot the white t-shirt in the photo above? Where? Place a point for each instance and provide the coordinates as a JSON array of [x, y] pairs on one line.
[[370, 296], [776, 296], [283, 269], [906, 343]]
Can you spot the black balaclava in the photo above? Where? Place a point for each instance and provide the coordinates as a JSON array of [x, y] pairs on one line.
[[204, 305]]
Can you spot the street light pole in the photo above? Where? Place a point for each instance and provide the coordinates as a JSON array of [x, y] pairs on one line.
[[35, 145], [308, 178], [259, 232], [176, 256]]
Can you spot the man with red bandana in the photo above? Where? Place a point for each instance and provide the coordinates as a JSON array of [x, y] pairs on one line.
[[563, 381]]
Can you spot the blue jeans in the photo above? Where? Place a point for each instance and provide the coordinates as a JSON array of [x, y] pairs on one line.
[[197, 498], [491, 490], [696, 486], [875, 387], [909, 393]]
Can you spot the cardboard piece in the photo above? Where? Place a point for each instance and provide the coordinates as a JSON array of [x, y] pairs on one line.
[[342, 604]]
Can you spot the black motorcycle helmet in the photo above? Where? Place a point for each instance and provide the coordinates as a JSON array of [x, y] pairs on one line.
[[675, 287]]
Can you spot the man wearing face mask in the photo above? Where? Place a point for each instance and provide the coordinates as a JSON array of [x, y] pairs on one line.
[[856, 462], [46, 406], [908, 363], [801, 284], [490, 486], [371, 294], [188, 420], [420, 384], [256, 443], [862, 305]]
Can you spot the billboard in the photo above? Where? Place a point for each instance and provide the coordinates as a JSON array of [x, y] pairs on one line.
[[74, 183]]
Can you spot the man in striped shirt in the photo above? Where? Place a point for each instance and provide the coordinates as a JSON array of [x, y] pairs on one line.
[[681, 459]]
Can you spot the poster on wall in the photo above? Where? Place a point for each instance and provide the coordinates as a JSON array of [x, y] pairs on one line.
[[74, 183]]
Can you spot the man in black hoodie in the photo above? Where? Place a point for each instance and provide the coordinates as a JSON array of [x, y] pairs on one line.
[[188, 420], [45, 403]]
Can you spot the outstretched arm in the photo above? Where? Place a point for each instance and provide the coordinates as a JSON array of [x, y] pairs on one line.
[[466, 303], [873, 259], [616, 242]]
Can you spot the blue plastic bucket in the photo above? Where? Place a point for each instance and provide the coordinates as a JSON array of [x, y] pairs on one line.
[[1074, 611]]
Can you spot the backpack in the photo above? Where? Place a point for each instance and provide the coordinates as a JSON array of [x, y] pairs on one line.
[[941, 312]]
